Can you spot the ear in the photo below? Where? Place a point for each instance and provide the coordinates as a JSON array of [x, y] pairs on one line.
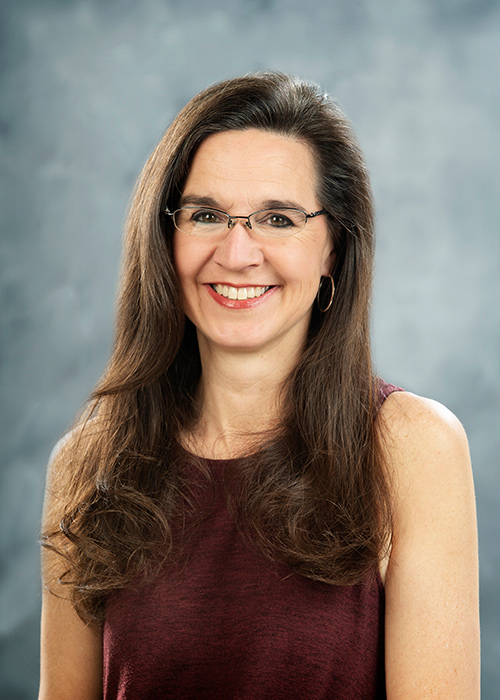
[[328, 261]]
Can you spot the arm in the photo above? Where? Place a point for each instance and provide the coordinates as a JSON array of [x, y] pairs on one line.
[[432, 609], [71, 654], [71, 651]]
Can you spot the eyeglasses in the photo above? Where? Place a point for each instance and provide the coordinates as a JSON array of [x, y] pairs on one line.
[[273, 223]]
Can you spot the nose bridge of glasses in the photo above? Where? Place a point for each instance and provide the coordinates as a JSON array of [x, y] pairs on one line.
[[232, 221]]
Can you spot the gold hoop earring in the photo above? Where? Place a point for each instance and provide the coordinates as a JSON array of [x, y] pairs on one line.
[[331, 293]]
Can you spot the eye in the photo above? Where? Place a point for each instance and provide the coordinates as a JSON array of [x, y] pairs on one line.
[[279, 220], [208, 216], [275, 219]]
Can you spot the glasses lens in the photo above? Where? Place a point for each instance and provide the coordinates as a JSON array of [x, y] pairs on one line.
[[200, 221], [278, 222]]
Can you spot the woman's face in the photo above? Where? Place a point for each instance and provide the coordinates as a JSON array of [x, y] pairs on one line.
[[240, 172]]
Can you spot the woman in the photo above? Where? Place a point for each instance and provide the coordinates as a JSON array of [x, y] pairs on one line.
[[246, 511]]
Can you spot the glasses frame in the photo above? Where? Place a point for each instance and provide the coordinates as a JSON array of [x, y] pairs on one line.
[[231, 220]]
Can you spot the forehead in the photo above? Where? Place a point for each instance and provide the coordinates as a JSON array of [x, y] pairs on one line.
[[254, 164]]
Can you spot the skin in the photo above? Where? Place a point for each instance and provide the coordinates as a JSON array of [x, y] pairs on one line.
[[431, 580], [431, 585], [71, 654]]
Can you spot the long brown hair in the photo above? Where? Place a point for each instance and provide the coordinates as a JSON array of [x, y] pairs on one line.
[[313, 492]]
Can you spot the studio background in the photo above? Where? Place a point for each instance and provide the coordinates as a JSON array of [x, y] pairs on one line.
[[86, 89]]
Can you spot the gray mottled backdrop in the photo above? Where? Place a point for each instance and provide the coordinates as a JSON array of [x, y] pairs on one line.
[[87, 87]]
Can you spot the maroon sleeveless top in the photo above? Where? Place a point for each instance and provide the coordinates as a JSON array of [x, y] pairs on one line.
[[232, 625]]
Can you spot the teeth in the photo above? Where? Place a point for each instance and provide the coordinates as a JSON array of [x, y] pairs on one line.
[[239, 292]]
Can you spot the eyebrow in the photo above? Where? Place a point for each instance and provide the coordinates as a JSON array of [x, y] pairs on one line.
[[196, 200]]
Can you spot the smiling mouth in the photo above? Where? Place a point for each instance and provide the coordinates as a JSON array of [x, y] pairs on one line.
[[239, 292]]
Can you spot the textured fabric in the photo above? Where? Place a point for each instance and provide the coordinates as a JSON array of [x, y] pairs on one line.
[[230, 624]]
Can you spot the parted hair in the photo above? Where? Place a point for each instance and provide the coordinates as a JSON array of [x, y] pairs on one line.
[[313, 491]]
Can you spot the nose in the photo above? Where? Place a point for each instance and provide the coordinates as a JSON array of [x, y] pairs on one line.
[[238, 249]]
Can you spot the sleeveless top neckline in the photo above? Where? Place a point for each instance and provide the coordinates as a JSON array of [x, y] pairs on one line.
[[384, 390]]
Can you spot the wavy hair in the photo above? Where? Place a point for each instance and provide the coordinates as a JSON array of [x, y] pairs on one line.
[[313, 492]]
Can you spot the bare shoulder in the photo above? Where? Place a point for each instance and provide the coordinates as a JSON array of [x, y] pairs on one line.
[[427, 456], [423, 440], [407, 415], [58, 478], [62, 469]]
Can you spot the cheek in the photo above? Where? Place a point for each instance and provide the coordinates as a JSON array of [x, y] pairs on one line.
[[183, 257], [310, 262], [190, 257]]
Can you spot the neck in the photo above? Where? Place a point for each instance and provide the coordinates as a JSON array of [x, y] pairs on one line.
[[240, 398]]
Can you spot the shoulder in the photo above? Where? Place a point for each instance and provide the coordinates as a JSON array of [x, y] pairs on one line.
[[404, 412], [74, 443], [426, 456], [65, 468], [59, 464], [420, 433], [430, 474]]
